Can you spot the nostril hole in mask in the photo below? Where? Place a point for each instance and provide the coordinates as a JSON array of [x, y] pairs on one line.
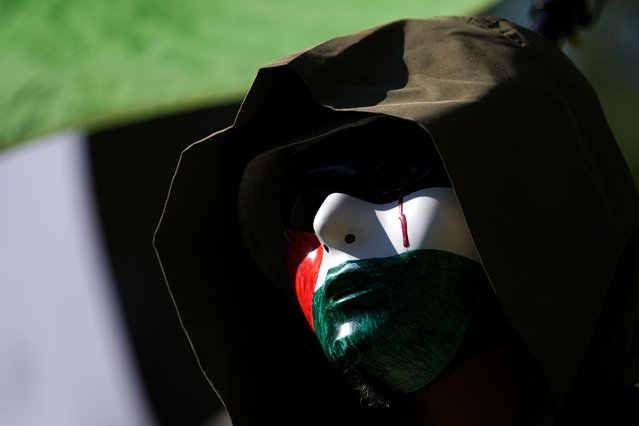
[[349, 238], [325, 248]]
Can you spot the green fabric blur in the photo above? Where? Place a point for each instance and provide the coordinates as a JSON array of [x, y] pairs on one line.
[[95, 65]]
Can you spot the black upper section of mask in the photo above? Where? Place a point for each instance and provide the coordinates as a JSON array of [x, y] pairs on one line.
[[378, 162]]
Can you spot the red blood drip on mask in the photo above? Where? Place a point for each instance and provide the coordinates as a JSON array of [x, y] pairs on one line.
[[402, 219], [303, 263]]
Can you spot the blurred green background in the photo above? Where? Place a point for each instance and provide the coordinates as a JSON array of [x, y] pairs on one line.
[[96, 64]]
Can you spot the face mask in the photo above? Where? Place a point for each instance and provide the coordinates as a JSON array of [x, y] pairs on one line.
[[382, 261], [397, 321]]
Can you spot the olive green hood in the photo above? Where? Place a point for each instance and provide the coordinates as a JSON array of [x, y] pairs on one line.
[[546, 193]]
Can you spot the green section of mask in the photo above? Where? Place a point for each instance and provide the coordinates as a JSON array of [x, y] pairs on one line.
[[395, 323]]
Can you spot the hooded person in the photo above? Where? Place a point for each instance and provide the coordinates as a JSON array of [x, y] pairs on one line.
[[468, 164]]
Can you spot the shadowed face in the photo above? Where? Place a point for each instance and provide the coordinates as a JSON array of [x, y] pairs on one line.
[[382, 261]]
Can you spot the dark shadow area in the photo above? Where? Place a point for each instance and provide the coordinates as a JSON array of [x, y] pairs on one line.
[[132, 168], [607, 52]]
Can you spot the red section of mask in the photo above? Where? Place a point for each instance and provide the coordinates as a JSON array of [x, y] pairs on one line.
[[303, 262], [404, 223]]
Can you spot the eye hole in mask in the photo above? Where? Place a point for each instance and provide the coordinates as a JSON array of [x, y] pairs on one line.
[[394, 174]]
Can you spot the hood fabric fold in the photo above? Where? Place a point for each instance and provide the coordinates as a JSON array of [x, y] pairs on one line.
[[546, 193]]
